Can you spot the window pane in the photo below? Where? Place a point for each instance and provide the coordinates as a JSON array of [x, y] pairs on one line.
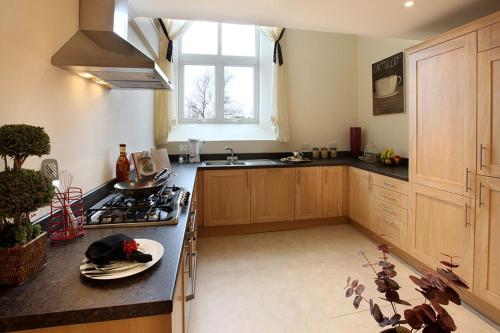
[[239, 93], [238, 40], [199, 92], [201, 38]]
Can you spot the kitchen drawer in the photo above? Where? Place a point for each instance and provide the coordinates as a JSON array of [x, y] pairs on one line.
[[390, 196], [390, 228], [390, 210], [391, 183]]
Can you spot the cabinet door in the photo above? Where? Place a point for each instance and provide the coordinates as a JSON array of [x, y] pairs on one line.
[[226, 197], [272, 193], [360, 189], [489, 37], [333, 191], [487, 253], [442, 108], [488, 124], [308, 193], [442, 222]]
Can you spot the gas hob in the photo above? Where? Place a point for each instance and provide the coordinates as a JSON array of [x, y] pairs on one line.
[[116, 210]]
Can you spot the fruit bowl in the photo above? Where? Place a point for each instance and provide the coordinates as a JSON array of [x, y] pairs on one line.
[[387, 157]]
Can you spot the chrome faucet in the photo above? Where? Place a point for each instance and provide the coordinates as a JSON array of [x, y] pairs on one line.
[[231, 158]]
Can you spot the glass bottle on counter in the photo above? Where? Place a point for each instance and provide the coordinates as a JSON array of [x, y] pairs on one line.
[[315, 153], [324, 153], [122, 165]]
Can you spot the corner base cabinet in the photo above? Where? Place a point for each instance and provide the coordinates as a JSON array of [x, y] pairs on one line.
[[360, 193], [226, 196]]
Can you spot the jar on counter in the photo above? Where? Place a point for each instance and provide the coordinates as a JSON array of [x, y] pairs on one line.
[[324, 153], [333, 153], [315, 153]]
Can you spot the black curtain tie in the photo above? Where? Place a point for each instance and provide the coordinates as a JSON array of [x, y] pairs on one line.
[[170, 46], [277, 49]]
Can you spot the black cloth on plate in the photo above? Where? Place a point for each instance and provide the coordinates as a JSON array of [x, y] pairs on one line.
[[111, 248]]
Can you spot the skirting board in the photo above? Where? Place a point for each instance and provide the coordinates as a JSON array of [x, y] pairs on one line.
[[475, 302], [227, 230]]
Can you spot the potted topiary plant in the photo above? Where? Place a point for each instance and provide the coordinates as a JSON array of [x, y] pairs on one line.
[[23, 191]]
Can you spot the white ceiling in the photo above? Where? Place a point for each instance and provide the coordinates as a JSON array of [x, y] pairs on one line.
[[386, 18]]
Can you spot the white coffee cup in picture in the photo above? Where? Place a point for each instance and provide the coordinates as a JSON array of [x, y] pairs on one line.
[[387, 85]]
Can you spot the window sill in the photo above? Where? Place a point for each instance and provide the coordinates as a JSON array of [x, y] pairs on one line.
[[220, 132]]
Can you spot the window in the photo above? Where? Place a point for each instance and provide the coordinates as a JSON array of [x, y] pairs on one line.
[[219, 73]]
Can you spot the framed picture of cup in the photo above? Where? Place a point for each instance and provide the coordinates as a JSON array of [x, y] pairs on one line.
[[388, 85]]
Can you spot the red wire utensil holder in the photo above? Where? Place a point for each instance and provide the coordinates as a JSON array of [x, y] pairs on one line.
[[66, 215]]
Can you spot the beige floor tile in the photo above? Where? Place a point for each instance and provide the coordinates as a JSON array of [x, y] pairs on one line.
[[291, 281]]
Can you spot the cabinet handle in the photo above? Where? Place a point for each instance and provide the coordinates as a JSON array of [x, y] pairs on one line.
[[467, 187], [481, 148], [467, 215], [481, 195], [389, 184]]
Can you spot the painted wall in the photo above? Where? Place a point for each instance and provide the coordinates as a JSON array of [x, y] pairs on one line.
[[84, 121], [322, 90], [386, 131], [329, 89]]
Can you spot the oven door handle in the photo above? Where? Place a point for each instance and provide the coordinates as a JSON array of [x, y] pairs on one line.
[[193, 266]]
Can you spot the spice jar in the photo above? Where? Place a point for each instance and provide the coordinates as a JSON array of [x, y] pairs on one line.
[[324, 152], [315, 153], [333, 153]]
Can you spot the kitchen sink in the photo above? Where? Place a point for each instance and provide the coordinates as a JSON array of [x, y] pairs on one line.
[[239, 163]]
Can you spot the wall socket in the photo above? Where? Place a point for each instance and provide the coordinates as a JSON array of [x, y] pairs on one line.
[[332, 145], [305, 147]]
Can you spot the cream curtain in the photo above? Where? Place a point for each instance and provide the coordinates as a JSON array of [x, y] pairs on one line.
[[279, 109], [165, 113]]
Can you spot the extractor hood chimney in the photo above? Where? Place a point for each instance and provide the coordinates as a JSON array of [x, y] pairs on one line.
[[99, 50]]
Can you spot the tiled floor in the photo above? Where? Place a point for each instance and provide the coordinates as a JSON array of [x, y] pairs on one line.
[[293, 281]]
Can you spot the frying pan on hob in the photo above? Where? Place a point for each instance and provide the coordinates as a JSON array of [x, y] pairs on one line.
[[142, 189]]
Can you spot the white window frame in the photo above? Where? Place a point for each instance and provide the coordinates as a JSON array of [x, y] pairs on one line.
[[220, 61]]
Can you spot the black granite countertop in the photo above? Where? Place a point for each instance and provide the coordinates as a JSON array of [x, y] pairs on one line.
[[399, 172], [58, 295]]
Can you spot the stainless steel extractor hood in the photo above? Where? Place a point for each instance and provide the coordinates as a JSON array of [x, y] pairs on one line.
[[99, 50]]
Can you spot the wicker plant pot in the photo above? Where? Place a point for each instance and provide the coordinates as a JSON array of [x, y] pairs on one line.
[[18, 263]]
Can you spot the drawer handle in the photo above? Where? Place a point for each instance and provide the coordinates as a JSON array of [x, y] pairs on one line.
[[390, 211], [467, 215], [389, 184], [389, 197], [481, 195], [467, 187]]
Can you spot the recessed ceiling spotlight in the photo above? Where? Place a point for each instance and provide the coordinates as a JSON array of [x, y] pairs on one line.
[[409, 3]]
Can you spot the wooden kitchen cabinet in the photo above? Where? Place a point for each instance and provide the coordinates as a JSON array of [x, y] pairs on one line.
[[442, 222], [487, 242], [488, 37], [308, 193], [226, 197], [442, 109], [333, 191], [360, 193], [272, 194], [488, 123]]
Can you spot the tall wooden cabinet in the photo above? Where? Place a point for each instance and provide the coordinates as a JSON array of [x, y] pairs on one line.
[[308, 193], [360, 190], [226, 197], [442, 223], [442, 106], [488, 138], [487, 245], [272, 194]]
